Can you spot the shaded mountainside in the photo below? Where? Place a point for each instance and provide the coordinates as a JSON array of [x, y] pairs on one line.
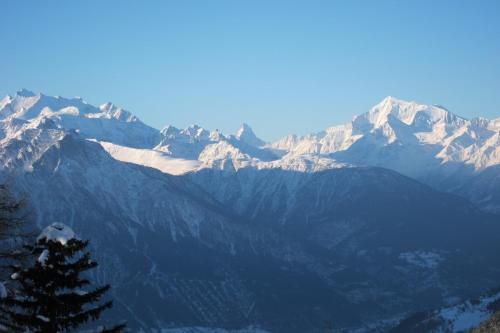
[[369, 201], [249, 236], [173, 254], [377, 225], [180, 254]]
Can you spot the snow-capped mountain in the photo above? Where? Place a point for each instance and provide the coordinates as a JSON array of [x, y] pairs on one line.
[[195, 228], [420, 141], [408, 137], [246, 135], [425, 142], [27, 110]]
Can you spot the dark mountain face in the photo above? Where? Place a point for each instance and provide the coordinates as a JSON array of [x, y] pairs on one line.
[[175, 256], [483, 188], [284, 250], [388, 243], [373, 199]]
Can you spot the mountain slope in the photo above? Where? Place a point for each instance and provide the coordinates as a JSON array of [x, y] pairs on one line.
[[284, 236], [237, 270], [162, 241], [426, 142], [461, 317], [393, 244], [246, 135]]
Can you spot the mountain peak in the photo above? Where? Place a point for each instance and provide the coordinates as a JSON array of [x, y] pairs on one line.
[[389, 100], [25, 93], [244, 127], [408, 113], [106, 106], [246, 135]]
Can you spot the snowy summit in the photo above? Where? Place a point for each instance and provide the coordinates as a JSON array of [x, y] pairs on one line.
[[246, 134]]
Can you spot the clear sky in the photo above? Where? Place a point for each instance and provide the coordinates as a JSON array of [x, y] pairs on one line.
[[281, 66]]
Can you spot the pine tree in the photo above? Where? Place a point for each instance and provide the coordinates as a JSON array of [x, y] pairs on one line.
[[12, 222], [12, 237], [52, 296]]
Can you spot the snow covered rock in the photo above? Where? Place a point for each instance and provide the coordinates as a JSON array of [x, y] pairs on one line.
[[246, 134]]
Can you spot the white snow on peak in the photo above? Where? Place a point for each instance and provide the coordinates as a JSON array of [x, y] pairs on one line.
[[286, 143], [28, 105], [106, 106], [4, 101], [216, 136], [187, 143], [57, 232], [224, 156], [409, 113], [195, 132], [169, 130], [409, 137], [246, 135], [109, 111]]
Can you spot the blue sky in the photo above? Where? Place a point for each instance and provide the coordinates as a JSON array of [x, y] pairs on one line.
[[281, 66]]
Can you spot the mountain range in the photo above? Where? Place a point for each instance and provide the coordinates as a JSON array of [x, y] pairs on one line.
[[358, 225]]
